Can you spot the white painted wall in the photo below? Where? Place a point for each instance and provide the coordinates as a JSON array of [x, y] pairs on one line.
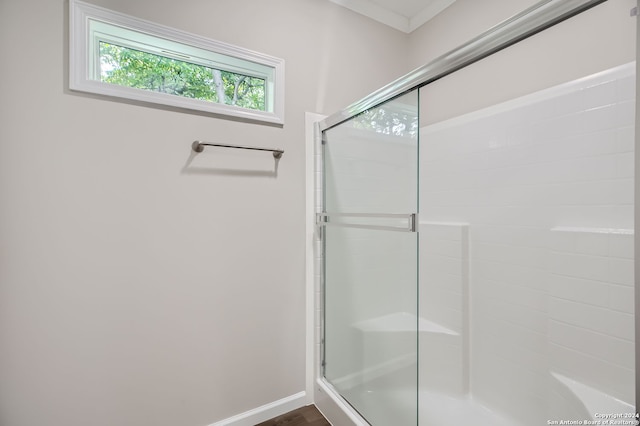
[[138, 284]]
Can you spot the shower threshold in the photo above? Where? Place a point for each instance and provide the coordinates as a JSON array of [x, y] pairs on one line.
[[434, 409]]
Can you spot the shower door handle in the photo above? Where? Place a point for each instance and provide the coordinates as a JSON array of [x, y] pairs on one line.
[[400, 222]]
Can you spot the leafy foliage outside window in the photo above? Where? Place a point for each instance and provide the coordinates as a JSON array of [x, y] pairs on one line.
[[388, 121], [142, 70]]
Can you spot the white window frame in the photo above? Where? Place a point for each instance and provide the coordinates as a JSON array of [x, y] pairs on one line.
[[89, 25]]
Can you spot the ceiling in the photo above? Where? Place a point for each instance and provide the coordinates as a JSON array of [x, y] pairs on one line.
[[403, 15]]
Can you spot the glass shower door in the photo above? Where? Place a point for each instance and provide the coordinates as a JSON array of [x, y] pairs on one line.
[[371, 261]]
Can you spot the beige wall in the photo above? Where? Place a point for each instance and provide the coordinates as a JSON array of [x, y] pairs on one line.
[[140, 285]]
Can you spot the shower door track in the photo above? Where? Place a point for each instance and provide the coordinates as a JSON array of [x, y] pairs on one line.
[[529, 22]]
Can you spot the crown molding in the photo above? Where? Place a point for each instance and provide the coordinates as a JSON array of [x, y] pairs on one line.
[[393, 19]]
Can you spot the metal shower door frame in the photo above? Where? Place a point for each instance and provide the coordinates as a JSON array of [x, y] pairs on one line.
[[527, 23]]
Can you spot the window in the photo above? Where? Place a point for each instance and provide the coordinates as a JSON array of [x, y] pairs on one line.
[[118, 55]]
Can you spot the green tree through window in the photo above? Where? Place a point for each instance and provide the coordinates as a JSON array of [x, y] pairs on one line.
[[142, 70]]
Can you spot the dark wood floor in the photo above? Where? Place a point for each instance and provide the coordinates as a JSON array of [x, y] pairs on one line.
[[305, 416]]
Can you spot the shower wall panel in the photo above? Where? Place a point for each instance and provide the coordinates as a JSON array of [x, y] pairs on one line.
[[545, 183], [443, 307]]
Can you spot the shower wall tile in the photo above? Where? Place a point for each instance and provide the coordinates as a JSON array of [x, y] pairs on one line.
[[625, 165], [443, 274], [574, 363], [625, 112], [621, 299], [621, 271], [621, 246], [608, 349], [545, 184], [443, 300], [600, 94], [580, 266], [625, 139], [626, 88], [578, 289]]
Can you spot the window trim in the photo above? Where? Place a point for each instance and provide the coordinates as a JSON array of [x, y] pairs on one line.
[[81, 68]]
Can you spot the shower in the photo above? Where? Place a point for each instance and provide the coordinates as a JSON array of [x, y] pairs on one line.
[[478, 263]]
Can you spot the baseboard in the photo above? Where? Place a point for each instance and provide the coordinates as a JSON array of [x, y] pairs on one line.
[[266, 412]]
